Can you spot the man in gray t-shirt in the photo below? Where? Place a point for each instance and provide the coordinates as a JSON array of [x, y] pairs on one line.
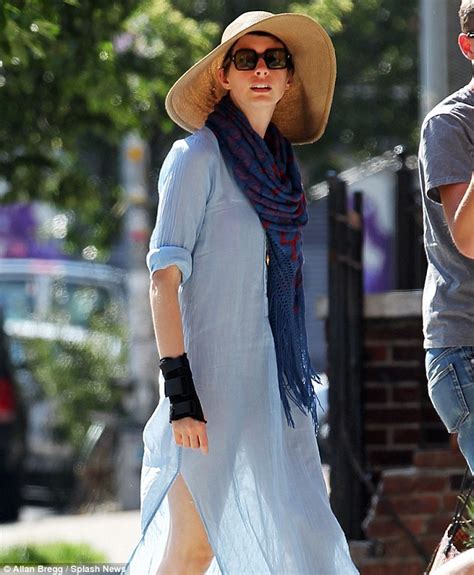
[[446, 159]]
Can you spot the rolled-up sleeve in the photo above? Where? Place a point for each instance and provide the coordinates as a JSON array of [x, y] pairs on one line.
[[160, 258], [184, 188]]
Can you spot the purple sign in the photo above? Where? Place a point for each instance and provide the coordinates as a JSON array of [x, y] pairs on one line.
[[20, 234]]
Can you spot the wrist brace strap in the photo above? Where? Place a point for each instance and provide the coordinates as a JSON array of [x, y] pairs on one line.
[[179, 388]]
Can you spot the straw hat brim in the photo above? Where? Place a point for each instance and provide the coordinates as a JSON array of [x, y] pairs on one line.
[[302, 113]]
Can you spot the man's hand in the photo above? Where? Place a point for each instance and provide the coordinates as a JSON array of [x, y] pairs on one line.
[[189, 432], [463, 564]]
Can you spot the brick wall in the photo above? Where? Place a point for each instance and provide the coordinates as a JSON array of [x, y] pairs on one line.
[[399, 417], [424, 497], [417, 465]]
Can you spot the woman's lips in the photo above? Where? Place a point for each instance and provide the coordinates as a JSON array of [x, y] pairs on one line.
[[260, 88]]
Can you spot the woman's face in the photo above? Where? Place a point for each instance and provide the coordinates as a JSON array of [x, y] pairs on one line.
[[258, 89]]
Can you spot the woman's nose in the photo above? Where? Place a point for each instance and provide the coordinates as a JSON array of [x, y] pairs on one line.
[[261, 67]]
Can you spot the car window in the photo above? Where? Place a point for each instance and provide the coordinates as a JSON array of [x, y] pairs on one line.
[[80, 304], [17, 298]]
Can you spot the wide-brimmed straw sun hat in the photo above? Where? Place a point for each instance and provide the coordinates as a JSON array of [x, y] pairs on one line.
[[302, 113]]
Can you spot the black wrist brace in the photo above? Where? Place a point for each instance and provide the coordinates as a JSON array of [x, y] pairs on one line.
[[179, 387]]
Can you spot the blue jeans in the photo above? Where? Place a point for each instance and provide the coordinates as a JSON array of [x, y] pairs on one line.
[[450, 373]]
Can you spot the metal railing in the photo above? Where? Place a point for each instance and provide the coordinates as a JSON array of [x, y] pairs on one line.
[[410, 259], [345, 357]]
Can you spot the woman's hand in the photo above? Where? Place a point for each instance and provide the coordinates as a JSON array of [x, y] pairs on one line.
[[189, 432]]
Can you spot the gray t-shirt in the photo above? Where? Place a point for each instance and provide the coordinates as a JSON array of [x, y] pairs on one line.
[[446, 156]]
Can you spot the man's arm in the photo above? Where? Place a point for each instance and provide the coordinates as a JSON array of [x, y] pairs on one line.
[[458, 205]]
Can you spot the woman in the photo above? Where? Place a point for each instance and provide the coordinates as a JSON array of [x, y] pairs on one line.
[[237, 475]]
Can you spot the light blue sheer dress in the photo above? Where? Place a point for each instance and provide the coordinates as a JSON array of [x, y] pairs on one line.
[[260, 491]]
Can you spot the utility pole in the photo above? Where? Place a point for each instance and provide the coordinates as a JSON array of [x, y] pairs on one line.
[[443, 69], [142, 350], [433, 53]]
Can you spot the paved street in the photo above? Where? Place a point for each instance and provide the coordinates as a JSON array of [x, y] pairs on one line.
[[114, 533]]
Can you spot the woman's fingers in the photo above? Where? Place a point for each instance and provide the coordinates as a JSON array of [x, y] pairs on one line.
[[177, 436], [203, 441], [186, 441], [194, 440], [189, 432]]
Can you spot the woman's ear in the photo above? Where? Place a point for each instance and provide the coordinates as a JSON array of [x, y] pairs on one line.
[[289, 80], [221, 76]]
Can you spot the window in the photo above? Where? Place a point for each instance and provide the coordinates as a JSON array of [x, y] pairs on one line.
[[17, 298], [81, 305]]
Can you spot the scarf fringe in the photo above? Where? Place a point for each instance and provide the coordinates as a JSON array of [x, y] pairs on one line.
[[295, 373]]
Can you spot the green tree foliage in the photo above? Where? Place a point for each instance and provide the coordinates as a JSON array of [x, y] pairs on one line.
[[75, 75], [327, 12], [375, 104], [376, 99]]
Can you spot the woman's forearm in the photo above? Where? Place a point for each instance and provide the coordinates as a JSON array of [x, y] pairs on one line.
[[166, 312], [188, 421]]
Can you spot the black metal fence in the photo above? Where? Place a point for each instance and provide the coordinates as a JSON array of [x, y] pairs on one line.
[[410, 259], [347, 454], [350, 485]]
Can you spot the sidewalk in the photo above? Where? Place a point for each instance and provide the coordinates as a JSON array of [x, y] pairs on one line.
[[114, 533]]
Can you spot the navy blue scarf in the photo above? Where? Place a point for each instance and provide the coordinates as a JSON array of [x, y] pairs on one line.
[[266, 172]]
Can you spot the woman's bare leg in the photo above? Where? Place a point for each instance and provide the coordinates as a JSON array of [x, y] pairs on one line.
[[187, 550]]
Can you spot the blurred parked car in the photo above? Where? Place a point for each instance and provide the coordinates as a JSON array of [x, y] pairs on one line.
[[48, 465], [12, 435], [67, 292], [53, 300]]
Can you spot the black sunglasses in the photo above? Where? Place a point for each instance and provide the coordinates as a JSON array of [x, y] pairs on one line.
[[470, 34], [247, 59]]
